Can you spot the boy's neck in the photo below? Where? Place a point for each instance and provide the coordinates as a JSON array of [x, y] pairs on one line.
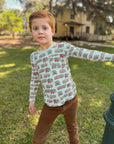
[[46, 46]]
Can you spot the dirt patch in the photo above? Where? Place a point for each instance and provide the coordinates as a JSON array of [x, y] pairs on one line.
[[25, 42], [17, 42]]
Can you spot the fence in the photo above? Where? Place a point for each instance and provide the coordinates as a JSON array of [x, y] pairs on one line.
[[93, 37]]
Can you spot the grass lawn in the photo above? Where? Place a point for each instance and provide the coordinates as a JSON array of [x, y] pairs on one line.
[[107, 43], [110, 42], [95, 83]]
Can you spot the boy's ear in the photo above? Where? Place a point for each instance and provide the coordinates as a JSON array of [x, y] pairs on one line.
[[30, 31], [53, 31]]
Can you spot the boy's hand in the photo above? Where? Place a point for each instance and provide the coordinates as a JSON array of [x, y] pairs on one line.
[[32, 109]]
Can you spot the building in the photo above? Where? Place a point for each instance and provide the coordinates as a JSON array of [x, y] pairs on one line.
[[70, 26]]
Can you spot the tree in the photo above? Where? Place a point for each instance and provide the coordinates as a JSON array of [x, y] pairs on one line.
[[2, 2], [29, 6], [98, 11], [33, 5], [10, 22], [100, 8]]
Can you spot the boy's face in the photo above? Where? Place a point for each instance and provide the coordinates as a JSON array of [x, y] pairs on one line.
[[42, 31]]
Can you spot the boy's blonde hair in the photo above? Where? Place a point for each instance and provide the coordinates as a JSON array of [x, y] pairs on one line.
[[42, 14]]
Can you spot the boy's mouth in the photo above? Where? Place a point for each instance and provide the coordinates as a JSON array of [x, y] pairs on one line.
[[41, 37]]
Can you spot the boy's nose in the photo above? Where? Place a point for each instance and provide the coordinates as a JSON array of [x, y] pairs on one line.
[[40, 31]]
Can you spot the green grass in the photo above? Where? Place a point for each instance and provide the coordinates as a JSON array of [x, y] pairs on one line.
[[95, 83], [111, 42]]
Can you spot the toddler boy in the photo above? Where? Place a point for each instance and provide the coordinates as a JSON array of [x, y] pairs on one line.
[[50, 67]]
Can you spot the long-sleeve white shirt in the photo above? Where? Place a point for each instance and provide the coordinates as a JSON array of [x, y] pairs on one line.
[[51, 68]]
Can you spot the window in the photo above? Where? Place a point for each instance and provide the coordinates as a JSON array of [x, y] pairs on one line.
[[72, 16], [87, 18], [87, 29], [72, 30]]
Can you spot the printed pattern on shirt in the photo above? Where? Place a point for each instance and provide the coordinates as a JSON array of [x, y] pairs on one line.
[[51, 68]]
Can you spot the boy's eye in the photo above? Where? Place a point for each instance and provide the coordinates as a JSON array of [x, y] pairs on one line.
[[45, 28], [35, 28]]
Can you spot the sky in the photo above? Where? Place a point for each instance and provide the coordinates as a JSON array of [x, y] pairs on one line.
[[13, 4]]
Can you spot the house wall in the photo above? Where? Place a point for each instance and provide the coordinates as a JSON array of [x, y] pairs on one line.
[[86, 23], [64, 30]]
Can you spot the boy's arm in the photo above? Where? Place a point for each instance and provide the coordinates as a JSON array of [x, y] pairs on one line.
[[34, 83], [32, 109], [83, 53]]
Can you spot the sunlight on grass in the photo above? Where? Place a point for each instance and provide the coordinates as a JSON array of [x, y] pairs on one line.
[[27, 48], [8, 71], [79, 100], [5, 73], [25, 67], [3, 52], [74, 66], [7, 65], [109, 64], [34, 118], [28, 65], [12, 70], [110, 42], [95, 103]]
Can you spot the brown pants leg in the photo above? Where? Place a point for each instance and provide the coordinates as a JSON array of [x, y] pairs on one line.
[[46, 120], [48, 116], [70, 116]]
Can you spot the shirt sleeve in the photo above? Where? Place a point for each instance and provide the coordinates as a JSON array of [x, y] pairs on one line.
[[83, 53], [35, 80]]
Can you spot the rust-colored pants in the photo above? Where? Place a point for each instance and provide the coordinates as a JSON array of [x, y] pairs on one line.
[[49, 114]]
